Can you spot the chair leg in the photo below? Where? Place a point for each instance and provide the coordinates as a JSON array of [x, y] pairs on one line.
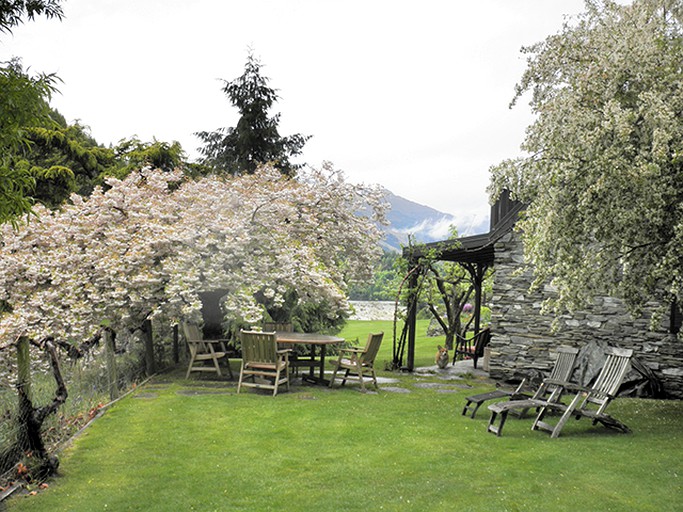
[[227, 360], [239, 384], [492, 427], [334, 374], [189, 366], [360, 375], [277, 381], [346, 374]]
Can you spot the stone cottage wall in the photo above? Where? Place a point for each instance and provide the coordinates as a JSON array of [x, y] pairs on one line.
[[523, 339]]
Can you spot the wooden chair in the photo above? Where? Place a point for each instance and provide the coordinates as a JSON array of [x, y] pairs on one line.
[[472, 347], [591, 402], [562, 371], [202, 351], [296, 353], [358, 362], [277, 326], [601, 394], [262, 360]]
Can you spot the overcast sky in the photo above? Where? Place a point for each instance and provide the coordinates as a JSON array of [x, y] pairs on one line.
[[412, 95]]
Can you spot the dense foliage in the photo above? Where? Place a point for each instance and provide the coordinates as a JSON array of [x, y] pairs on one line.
[[386, 281], [255, 139], [604, 175], [23, 102], [149, 244], [12, 12]]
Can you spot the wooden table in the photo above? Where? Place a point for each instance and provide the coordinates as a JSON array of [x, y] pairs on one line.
[[313, 340]]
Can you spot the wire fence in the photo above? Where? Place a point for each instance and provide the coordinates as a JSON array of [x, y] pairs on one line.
[[91, 382]]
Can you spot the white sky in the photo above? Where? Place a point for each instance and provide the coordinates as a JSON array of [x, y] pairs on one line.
[[412, 95]]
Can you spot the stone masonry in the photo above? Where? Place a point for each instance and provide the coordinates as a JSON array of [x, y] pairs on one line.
[[523, 339]]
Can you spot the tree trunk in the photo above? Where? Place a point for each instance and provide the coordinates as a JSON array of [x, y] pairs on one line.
[[112, 374], [150, 365], [31, 419]]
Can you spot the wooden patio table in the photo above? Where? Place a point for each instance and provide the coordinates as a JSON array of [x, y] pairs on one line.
[[313, 340]]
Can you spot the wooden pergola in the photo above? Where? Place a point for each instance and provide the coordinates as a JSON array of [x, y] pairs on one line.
[[475, 253]]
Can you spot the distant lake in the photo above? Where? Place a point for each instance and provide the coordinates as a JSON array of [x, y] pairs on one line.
[[372, 309]]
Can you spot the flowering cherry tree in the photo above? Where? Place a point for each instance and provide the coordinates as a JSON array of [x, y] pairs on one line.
[[603, 175], [149, 244]]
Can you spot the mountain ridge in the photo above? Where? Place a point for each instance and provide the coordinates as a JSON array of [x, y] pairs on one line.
[[423, 223]]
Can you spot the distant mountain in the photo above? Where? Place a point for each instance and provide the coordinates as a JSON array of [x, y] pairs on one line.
[[425, 224]]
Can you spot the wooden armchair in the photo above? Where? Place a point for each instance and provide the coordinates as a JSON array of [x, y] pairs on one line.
[[472, 348], [263, 362], [358, 361], [202, 351]]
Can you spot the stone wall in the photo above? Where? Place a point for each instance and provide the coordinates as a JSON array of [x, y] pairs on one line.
[[523, 339]]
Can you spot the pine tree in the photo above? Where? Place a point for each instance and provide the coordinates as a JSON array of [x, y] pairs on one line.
[[238, 150]]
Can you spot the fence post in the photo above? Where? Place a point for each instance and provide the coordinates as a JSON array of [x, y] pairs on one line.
[[112, 374], [150, 366], [176, 347], [24, 366]]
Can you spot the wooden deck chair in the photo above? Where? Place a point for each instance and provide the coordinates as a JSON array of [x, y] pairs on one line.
[[592, 402], [203, 351], [358, 361], [263, 362], [605, 388], [472, 348], [562, 371]]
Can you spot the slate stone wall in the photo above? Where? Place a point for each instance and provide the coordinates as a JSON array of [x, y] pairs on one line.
[[523, 338]]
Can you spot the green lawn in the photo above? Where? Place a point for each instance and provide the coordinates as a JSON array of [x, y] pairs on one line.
[[195, 444]]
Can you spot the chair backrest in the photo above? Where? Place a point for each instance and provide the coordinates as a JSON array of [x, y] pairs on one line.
[[610, 377], [277, 326], [371, 348], [192, 332], [483, 339], [564, 364], [259, 347]]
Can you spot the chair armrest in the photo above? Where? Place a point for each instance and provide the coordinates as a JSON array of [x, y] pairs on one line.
[[283, 350], [569, 386], [352, 350]]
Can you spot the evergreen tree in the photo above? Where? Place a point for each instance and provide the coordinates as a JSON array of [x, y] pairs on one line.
[[238, 150]]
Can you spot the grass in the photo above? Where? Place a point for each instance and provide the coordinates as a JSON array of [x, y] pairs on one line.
[[195, 444]]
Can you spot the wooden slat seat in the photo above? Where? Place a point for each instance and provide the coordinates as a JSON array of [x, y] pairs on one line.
[[475, 401], [562, 370], [358, 362], [261, 358], [600, 394], [203, 351], [472, 348]]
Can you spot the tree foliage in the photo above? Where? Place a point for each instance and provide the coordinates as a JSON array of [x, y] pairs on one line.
[[255, 140], [387, 279], [149, 244], [604, 173], [23, 103], [12, 12]]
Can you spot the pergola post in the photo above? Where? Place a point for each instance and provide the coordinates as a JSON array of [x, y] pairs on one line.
[[478, 278], [411, 319]]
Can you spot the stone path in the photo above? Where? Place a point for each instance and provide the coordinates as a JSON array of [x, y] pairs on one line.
[[452, 379]]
